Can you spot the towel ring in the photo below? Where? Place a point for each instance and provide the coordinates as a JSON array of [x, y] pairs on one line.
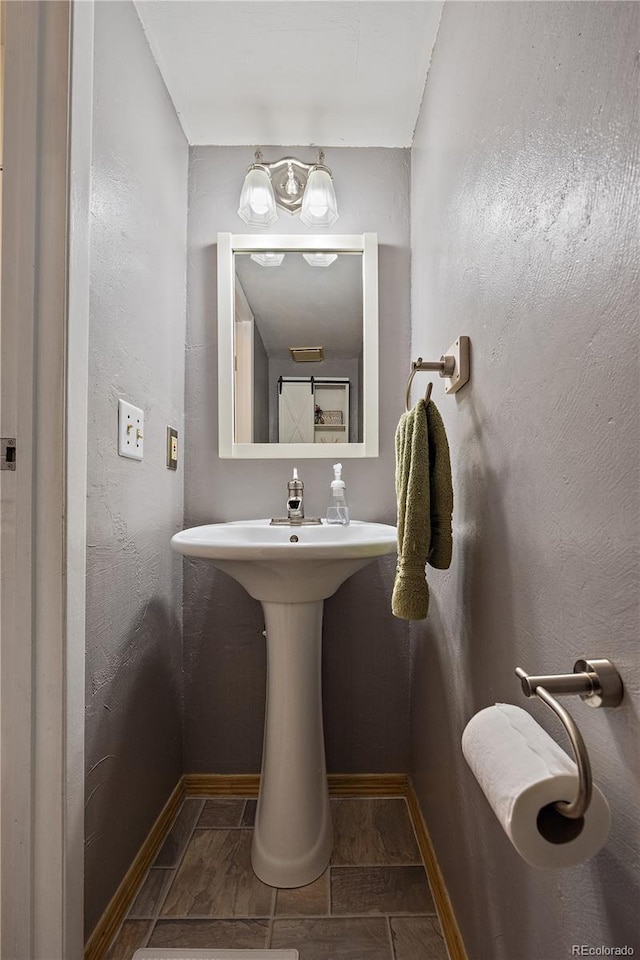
[[453, 366], [445, 367]]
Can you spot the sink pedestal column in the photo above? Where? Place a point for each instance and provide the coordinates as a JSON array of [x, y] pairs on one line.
[[293, 837]]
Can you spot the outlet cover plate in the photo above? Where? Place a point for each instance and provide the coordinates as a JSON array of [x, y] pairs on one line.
[[172, 448], [130, 430]]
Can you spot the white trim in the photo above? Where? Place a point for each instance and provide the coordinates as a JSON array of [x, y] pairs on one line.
[[226, 290], [42, 710], [243, 392], [228, 243], [18, 297], [243, 374], [294, 243], [370, 381], [2, 515], [81, 84]]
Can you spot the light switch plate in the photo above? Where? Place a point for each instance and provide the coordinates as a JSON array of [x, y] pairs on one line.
[[130, 430]]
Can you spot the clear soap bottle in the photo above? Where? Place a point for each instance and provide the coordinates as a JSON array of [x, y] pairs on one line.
[[338, 510]]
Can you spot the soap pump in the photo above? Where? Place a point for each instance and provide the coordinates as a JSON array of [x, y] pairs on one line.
[[338, 510]]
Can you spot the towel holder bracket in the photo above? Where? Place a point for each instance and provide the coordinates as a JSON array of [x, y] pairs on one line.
[[453, 366], [459, 350], [597, 683]]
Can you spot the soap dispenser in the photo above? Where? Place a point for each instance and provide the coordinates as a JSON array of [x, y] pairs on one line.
[[338, 510]]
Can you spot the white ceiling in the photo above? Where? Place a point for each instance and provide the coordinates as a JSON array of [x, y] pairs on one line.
[[297, 305], [318, 72]]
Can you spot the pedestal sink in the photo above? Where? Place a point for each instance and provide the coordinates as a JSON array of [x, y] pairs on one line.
[[290, 570]]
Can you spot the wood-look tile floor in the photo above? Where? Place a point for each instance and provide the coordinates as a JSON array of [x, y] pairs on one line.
[[372, 903]]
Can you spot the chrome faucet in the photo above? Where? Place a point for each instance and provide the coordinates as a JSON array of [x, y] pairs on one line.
[[295, 501], [295, 506]]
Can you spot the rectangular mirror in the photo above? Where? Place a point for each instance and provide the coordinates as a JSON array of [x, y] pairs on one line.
[[297, 346]]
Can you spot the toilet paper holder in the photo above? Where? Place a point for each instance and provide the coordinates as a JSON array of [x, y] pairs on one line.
[[599, 684]]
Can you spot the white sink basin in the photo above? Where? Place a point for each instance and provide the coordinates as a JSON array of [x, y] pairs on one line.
[[291, 569], [288, 564]]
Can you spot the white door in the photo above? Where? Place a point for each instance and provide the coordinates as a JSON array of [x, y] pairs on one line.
[[295, 412]]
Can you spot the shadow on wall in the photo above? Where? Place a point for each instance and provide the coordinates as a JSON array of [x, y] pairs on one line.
[[126, 786], [225, 673], [463, 661], [620, 879], [366, 676], [201, 366], [484, 623]]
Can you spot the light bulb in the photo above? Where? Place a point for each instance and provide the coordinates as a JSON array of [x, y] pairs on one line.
[[320, 259], [268, 259]]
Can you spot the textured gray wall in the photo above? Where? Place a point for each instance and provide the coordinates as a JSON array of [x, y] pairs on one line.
[[137, 332], [366, 657], [524, 236]]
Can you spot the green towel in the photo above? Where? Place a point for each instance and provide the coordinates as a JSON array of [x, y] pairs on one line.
[[425, 504]]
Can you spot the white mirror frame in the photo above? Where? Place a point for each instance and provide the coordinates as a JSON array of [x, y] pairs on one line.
[[228, 245]]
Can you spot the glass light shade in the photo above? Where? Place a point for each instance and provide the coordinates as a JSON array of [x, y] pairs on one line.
[[320, 259], [319, 205], [257, 202], [268, 259]]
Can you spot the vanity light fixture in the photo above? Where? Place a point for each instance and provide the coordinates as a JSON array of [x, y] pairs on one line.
[[320, 259], [306, 354], [305, 188], [257, 202], [268, 259], [319, 205]]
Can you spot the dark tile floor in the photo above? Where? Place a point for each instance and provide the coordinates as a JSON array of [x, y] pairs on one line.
[[372, 902]]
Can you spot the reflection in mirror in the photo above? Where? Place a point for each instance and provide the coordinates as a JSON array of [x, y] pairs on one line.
[[285, 304], [297, 345]]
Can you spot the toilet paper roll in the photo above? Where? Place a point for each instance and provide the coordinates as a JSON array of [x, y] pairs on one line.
[[522, 772]]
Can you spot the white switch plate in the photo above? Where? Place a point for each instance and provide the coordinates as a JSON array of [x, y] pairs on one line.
[[130, 430]]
